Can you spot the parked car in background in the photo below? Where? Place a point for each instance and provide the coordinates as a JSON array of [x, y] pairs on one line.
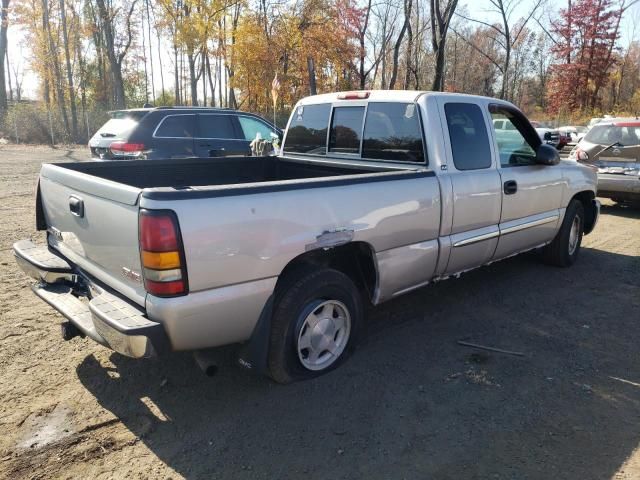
[[614, 149], [550, 137], [573, 133], [375, 194], [179, 132]]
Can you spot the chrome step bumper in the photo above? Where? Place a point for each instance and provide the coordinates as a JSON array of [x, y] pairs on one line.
[[97, 313]]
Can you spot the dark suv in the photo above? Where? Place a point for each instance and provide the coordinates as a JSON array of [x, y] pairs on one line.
[[178, 132]]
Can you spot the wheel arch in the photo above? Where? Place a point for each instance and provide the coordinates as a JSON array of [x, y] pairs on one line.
[[587, 198], [356, 259]]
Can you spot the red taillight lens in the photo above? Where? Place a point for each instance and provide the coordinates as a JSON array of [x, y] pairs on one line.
[[581, 155], [157, 233], [353, 95], [161, 253], [124, 148]]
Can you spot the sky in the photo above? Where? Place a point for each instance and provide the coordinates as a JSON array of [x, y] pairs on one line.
[[480, 9]]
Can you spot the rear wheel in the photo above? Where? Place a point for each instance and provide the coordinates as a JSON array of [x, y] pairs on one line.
[[565, 247], [315, 323]]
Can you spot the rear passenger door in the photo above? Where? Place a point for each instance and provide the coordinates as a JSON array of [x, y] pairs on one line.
[[173, 137], [532, 193], [219, 135], [475, 182]]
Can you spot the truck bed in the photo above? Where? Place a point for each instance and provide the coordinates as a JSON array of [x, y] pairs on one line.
[[181, 173]]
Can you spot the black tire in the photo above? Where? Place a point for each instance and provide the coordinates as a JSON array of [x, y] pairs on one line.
[[558, 252], [295, 299]]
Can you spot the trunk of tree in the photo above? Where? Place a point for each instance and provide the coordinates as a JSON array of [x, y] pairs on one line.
[[55, 67], [8, 69], [4, 18], [176, 72], [83, 86], [362, 37], [396, 49], [153, 83], [115, 58], [212, 86], [311, 69], [408, 57], [440, 22], [193, 79], [67, 56]]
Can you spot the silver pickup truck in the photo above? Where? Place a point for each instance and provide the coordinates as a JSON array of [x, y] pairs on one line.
[[375, 194]]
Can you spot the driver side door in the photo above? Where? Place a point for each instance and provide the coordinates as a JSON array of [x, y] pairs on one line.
[[531, 193]]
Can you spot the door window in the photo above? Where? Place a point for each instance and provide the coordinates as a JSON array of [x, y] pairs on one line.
[[175, 126], [251, 127], [392, 132], [512, 146], [307, 132], [346, 128], [216, 126], [468, 136]]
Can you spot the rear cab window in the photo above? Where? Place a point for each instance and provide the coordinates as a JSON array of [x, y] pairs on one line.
[[307, 132], [346, 130], [176, 126], [392, 131], [388, 131]]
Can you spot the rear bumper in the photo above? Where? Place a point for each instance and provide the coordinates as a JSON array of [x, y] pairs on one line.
[[96, 312], [612, 185]]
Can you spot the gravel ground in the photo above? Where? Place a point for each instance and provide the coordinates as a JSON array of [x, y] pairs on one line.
[[411, 403]]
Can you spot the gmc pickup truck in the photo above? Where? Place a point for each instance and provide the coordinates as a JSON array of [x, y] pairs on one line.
[[375, 194]]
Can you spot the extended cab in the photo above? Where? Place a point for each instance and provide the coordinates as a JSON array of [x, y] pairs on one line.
[[375, 194]]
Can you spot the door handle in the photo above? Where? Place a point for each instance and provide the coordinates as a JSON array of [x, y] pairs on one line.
[[76, 206], [510, 187]]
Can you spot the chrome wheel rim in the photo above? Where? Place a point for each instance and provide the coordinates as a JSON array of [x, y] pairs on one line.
[[324, 335], [574, 235]]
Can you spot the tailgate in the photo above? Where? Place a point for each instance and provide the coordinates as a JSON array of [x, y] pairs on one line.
[[93, 222]]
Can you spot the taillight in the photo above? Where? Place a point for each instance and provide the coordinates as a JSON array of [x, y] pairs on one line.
[[127, 149], [162, 254], [581, 155]]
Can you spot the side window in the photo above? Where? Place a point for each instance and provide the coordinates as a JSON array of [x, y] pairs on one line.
[[251, 127], [512, 146], [216, 126], [176, 126], [346, 127], [392, 132], [468, 135], [307, 132]]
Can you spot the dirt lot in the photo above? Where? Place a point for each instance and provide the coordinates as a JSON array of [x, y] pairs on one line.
[[411, 403]]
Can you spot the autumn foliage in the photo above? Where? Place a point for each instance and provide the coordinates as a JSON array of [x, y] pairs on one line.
[[587, 32]]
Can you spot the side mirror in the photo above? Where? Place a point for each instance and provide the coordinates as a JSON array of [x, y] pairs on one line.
[[547, 155]]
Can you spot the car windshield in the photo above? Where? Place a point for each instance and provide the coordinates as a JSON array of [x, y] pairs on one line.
[[121, 121], [613, 134]]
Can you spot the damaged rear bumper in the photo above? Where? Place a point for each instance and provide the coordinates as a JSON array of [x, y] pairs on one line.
[[97, 313]]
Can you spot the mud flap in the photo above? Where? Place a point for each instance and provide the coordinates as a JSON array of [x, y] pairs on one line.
[[253, 355]]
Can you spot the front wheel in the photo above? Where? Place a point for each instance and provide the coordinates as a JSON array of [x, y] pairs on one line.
[[565, 247], [315, 323]]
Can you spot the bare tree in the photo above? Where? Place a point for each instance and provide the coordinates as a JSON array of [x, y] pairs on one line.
[[396, 50], [505, 36], [440, 21], [70, 87], [115, 55]]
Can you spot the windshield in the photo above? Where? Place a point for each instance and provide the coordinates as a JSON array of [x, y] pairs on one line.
[[611, 134]]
